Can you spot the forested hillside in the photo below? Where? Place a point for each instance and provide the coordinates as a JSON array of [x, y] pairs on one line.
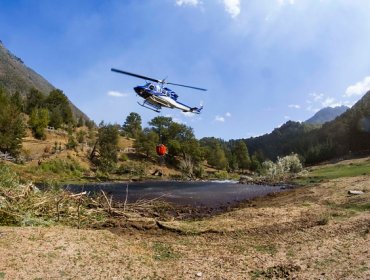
[[347, 134]]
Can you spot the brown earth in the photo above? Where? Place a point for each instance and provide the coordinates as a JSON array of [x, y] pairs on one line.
[[317, 232], [37, 151]]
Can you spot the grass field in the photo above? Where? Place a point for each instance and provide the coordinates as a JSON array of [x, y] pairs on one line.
[[335, 171]]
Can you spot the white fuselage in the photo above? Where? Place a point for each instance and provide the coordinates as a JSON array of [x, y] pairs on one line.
[[168, 102]]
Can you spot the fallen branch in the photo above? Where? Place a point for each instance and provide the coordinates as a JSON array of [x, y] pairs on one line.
[[124, 204], [109, 202], [77, 195]]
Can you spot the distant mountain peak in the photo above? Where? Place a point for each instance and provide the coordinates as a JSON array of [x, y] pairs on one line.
[[326, 114]]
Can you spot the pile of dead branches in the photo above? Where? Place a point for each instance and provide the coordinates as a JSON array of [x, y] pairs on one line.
[[23, 204]]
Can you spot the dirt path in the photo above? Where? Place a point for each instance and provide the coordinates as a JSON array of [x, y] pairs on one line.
[[309, 233]]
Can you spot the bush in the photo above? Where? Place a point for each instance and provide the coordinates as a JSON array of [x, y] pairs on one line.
[[222, 175], [186, 167], [290, 164], [123, 157], [284, 166], [132, 168], [59, 166], [8, 178]]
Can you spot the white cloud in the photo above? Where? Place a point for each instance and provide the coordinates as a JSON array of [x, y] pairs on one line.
[[193, 3], [358, 88], [116, 94], [317, 96], [232, 7], [295, 106], [285, 2], [228, 114], [219, 119], [330, 102], [286, 117], [318, 101]]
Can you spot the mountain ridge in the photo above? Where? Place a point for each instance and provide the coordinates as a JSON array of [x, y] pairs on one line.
[[347, 134], [16, 76], [326, 114]]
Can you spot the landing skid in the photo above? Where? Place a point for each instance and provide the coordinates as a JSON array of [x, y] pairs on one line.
[[150, 107]]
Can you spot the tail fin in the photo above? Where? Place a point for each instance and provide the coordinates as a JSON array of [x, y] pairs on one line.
[[196, 110]]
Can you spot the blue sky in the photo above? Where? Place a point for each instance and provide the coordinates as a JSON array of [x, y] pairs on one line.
[[263, 61]]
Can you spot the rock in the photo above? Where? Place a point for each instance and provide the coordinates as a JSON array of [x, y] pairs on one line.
[[354, 192], [245, 179], [199, 274], [157, 172]]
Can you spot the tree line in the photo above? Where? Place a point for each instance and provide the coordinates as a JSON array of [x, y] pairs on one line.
[[347, 135], [183, 147], [37, 111]]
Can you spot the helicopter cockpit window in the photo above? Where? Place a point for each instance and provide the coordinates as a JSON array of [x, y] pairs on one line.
[[151, 87]]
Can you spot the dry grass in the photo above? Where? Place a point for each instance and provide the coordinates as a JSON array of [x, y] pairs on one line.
[[307, 233]]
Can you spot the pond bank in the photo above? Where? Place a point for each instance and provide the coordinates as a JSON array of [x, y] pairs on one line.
[[211, 194]]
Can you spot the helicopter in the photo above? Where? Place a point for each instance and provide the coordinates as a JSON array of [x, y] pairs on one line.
[[156, 95]]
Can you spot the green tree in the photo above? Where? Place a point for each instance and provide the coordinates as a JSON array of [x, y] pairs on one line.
[[215, 152], [218, 158], [72, 143], [58, 103], [12, 128], [80, 122], [132, 126], [241, 154], [81, 136], [105, 151], [56, 118], [17, 100], [38, 121], [255, 163], [160, 126], [90, 124], [35, 99], [146, 142]]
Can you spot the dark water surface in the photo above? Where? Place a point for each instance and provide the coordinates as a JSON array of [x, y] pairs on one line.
[[209, 194]]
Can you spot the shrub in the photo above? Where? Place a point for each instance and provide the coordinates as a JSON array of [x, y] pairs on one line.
[[289, 164], [8, 178], [132, 168], [222, 175], [123, 157], [186, 167], [59, 166], [284, 166]]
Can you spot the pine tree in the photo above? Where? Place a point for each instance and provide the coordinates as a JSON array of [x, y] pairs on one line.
[[12, 128], [132, 125], [104, 154], [39, 120]]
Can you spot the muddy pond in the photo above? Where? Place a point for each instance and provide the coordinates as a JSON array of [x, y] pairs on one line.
[[196, 194]]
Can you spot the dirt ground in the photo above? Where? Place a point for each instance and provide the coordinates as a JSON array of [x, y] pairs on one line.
[[317, 232]]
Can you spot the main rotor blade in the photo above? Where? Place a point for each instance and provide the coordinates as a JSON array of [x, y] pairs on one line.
[[135, 75], [187, 86]]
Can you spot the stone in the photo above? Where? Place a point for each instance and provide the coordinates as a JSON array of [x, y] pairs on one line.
[[354, 192]]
